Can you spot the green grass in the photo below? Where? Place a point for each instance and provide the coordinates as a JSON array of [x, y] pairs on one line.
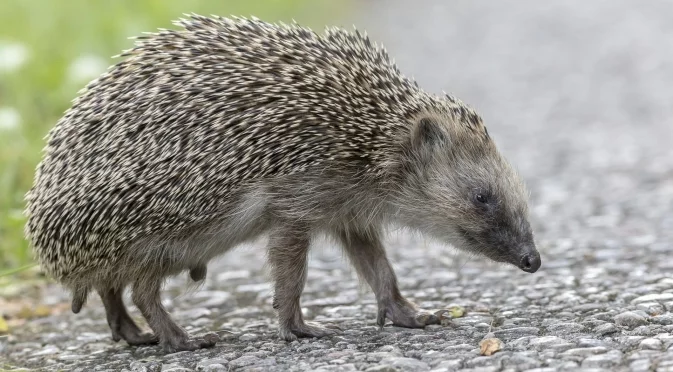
[[55, 33]]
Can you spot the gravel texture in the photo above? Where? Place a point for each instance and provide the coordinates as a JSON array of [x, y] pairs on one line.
[[578, 96]]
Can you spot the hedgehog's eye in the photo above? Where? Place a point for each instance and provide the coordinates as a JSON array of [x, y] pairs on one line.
[[481, 198]]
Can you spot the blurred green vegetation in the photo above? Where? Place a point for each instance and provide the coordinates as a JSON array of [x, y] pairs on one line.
[[65, 43]]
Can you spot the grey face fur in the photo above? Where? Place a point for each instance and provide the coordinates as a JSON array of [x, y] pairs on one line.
[[463, 192]]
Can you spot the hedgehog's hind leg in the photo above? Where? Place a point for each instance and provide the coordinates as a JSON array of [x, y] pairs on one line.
[[119, 320], [147, 297]]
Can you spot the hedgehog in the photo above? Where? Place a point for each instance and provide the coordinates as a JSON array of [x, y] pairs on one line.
[[227, 129]]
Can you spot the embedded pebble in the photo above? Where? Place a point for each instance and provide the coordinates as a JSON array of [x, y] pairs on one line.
[[640, 365], [605, 329], [651, 344], [661, 297], [406, 364], [607, 360], [630, 319], [544, 341], [248, 337]]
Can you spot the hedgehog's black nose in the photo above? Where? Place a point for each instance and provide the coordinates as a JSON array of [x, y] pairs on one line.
[[530, 262]]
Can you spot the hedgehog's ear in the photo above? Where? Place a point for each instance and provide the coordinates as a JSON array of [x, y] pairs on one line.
[[427, 134]]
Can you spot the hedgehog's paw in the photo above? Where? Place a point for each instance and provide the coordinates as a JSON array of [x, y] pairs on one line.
[[141, 338], [307, 330], [406, 314], [173, 345], [128, 331]]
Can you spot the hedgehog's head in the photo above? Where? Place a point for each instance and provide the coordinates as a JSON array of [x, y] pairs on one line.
[[458, 188]]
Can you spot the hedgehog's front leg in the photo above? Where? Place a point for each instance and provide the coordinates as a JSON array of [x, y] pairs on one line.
[[287, 255], [146, 296], [368, 256]]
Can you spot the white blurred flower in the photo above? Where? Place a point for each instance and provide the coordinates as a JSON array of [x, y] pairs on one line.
[[9, 118], [86, 68], [12, 56]]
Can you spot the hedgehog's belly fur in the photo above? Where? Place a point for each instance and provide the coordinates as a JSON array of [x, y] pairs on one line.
[[247, 219]]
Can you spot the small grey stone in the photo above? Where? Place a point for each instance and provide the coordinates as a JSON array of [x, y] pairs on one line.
[[244, 361], [194, 313], [630, 319], [204, 363], [591, 342], [70, 357], [663, 319], [457, 348], [605, 329], [483, 361], [651, 308], [47, 350], [562, 346], [630, 341], [452, 364], [640, 365], [211, 299], [661, 297], [247, 337], [127, 356], [589, 307], [585, 351], [541, 342], [215, 367], [518, 332], [641, 313], [377, 356], [482, 369], [382, 368], [645, 330], [665, 363], [607, 360], [406, 364], [519, 343], [651, 344], [137, 366], [521, 361], [565, 328], [255, 288], [153, 366], [666, 339]]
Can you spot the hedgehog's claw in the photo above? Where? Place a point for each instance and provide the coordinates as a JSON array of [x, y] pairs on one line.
[[405, 314], [136, 337], [190, 344], [307, 330]]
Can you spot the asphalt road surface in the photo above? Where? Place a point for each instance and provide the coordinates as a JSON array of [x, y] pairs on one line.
[[578, 95]]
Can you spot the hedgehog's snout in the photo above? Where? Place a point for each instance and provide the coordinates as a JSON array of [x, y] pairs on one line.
[[530, 260]]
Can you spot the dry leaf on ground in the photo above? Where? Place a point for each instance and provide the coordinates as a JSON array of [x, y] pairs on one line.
[[456, 311], [4, 329], [490, 346]]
